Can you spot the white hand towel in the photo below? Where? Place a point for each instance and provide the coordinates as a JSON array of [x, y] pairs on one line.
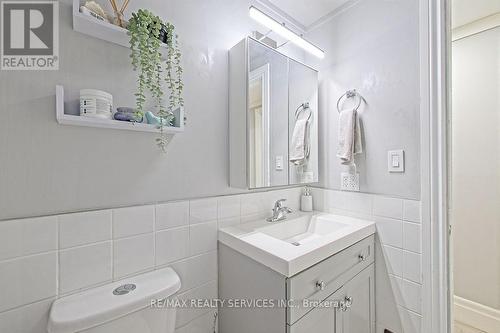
[[349, 136], [300, 143]]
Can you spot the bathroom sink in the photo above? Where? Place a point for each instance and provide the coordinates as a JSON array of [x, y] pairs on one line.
[[303, 229], [298, 242]]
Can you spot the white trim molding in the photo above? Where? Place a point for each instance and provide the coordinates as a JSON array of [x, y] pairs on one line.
[[476, 27], [476, 315], [434, 155]]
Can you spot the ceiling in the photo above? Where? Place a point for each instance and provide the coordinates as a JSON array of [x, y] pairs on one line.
[[306, 13], [467, 11]]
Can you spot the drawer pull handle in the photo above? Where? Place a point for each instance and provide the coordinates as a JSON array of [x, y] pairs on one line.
[[320, 285], [346, 304], [361, 257]]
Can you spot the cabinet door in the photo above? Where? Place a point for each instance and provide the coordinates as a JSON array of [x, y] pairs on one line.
[[323, 319], [359, 315]]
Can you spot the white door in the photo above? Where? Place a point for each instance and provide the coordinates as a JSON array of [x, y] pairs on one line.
[[475, 181]]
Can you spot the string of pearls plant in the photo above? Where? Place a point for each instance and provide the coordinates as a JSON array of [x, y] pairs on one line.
[[146, 32]]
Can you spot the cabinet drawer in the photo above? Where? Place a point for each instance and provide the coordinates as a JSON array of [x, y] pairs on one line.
[[321, 280]]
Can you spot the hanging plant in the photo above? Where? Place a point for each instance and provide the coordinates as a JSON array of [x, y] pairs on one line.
[[147, 33]]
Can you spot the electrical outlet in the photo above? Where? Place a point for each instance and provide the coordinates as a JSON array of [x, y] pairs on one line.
[[307, 177], [349, 181]]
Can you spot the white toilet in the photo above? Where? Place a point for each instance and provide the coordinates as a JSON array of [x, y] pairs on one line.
[[132, 305]]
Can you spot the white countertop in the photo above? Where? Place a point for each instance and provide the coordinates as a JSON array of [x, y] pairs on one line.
[[255, 240]]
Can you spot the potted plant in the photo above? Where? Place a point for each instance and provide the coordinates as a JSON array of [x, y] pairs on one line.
[[147, 32]]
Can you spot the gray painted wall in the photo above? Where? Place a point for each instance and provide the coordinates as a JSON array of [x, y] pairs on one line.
[[373, 47], [47, 168]]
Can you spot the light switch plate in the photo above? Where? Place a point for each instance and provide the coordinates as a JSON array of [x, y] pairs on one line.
[[396, 161], [279, 162], [349, 181]]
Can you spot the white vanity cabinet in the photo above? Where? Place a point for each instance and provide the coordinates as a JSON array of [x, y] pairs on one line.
[[356, 312], [333, 295]]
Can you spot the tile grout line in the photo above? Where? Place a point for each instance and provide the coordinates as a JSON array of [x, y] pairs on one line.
[[258, 191], [112, 245], [58, 257], [81, 246], [189, 229], [154, 236], [28, 304], [4, 261], [196, 318]]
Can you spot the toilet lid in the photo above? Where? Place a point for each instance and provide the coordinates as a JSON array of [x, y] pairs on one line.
[[100, 305]]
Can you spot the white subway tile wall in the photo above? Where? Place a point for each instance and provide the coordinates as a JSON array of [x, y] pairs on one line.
[[85, 266], [48, 257], [44, 258], [412, 237], [394, 258], [390, 231], [28, 236], [388, 207], [84, 228], [133, 255], [412, 266], [229, 207], [171, 245], [27, 280], [172, 214], [202, 210], [411, 211], [202, 237], [31, 318], [398, 253], [132, 221]]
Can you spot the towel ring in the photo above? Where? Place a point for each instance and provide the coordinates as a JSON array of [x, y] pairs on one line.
[[304, 107], [350, 94]]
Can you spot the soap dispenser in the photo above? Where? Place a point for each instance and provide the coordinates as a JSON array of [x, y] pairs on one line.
[[306, 201]]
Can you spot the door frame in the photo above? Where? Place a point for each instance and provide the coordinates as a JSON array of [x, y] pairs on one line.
[[435, 100], [263, 73]]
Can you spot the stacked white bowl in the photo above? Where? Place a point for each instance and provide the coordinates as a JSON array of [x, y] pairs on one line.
[[96, 103]]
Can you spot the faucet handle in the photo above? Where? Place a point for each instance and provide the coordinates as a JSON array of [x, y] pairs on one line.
[[279, 203]]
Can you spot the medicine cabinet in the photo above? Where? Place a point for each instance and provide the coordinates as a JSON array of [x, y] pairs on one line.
[[273, 118]]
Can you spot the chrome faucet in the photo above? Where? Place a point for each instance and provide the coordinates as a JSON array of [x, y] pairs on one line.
[[279, 211]]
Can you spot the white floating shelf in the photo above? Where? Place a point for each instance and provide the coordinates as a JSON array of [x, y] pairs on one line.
[[100, 29], [69, 119]]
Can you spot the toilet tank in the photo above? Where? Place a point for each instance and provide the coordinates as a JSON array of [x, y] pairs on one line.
[[133, 305]]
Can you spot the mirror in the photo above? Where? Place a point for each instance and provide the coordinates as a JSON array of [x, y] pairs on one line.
[[303, 89], [267, 116], [258, 127], [273, 118]]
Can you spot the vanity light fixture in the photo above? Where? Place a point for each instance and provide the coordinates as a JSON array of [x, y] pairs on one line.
[[284, 32]]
